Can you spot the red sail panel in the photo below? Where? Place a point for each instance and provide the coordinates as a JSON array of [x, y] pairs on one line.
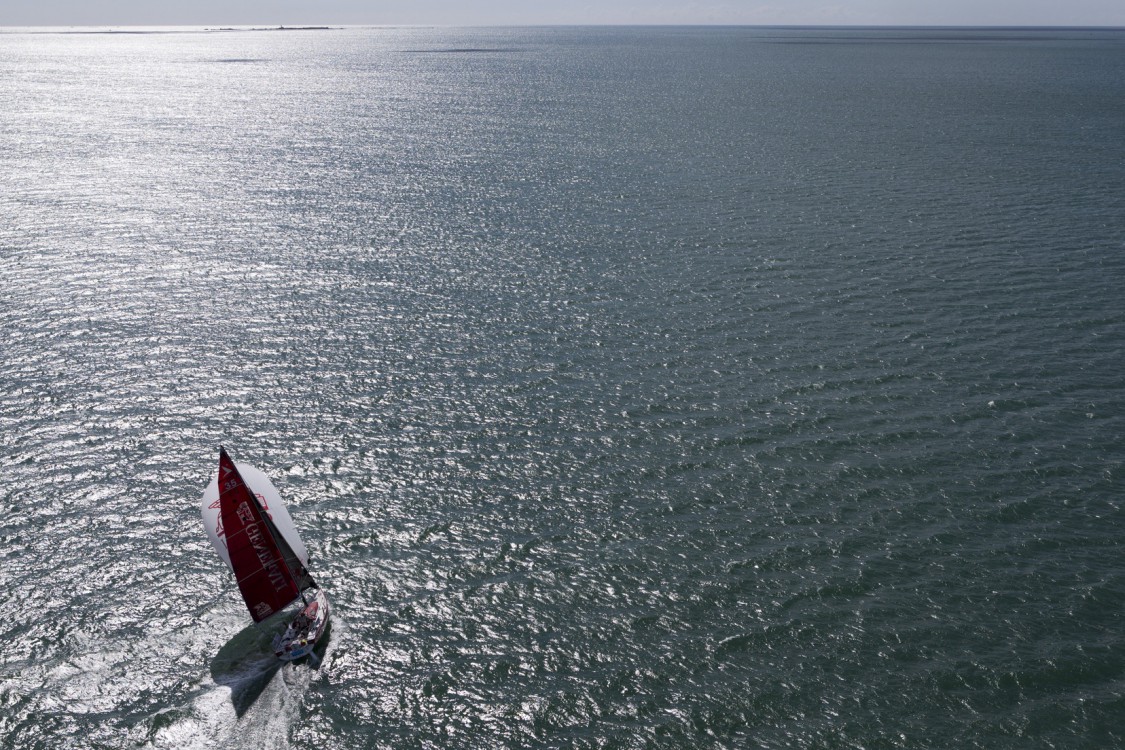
[[263, 577]]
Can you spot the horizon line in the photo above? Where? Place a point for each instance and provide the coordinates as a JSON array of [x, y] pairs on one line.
[[313, 26]]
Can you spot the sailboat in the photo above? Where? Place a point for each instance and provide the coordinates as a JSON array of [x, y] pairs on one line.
[[251, 530]]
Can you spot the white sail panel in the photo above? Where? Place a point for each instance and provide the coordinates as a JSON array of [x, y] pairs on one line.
[[271, 502]]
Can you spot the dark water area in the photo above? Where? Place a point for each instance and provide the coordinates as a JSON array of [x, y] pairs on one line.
[[631, 388]]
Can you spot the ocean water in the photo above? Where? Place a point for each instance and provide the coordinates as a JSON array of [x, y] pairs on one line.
[[631, 388]]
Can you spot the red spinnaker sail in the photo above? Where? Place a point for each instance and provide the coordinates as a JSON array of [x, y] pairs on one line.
[[266, 582]]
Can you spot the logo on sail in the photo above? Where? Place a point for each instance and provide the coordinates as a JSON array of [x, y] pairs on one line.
[[261, 548]]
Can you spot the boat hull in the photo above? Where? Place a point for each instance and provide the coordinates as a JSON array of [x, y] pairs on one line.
[[301, 635]]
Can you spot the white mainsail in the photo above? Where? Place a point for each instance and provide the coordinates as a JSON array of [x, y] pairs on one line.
[[270, 501]]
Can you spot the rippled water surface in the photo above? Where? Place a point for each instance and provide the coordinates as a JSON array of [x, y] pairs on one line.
[[632, 388]]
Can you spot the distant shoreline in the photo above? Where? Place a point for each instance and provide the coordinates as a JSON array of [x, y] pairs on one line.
[[271, 28]]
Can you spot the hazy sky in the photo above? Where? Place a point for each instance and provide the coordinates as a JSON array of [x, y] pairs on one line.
[[521, 12]]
